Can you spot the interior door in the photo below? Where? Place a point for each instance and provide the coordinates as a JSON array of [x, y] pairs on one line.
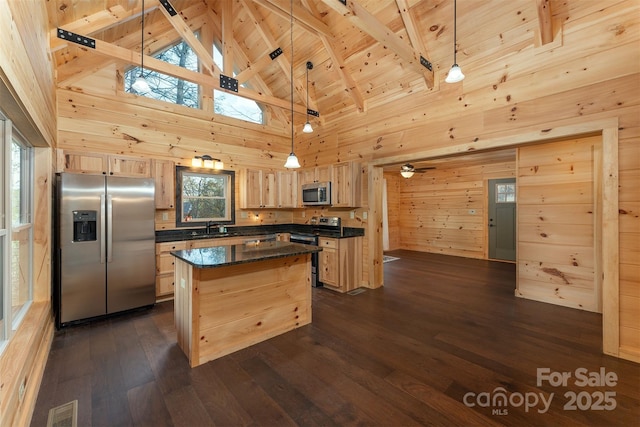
[[502, 219]]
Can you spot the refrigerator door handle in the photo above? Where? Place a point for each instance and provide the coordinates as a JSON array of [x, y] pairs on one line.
[[102, 229], [109, 228]]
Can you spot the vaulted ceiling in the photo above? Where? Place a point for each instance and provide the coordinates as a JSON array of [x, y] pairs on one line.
[[365, 52]]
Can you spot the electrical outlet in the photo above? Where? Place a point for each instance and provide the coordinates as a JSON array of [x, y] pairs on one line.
[[352, 214], [303, 214], [364, 215], [243, 214], [21, 390], [165, 216]]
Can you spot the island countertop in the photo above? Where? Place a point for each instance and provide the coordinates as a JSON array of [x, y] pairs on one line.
[[226, 255]]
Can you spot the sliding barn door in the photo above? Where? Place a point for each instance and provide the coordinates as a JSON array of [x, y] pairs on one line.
[[558, 241]]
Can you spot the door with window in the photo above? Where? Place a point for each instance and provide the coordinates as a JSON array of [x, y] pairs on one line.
[[502, 219]]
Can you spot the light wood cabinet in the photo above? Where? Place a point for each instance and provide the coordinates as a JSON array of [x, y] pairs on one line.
[[346, 185], [258, 189], [287, 189], [165, 265], [315, 174], [106, 164], [340, 263], [164, 175]]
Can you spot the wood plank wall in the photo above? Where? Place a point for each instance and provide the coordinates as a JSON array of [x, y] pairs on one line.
[[444, 210], [588, 74], [558, 210], [27, 87]]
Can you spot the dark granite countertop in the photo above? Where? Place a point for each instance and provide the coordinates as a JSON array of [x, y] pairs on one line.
[[163, 236], [226, 255]]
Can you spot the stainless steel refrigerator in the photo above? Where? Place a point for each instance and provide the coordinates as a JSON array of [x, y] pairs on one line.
[[105, 241]]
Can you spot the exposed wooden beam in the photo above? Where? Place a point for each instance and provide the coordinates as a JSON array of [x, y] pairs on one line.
[[203, 54], [545, 22], [336, 58], [368, 23], [129, 56], [227, 37], [303, 18], [99, 21], [241, 57], [254, 68], [160, 34], [410, 26]]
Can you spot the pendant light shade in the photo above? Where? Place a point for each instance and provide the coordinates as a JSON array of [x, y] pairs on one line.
[[307, 126], [292, 161], [141, 85], [455, 73]]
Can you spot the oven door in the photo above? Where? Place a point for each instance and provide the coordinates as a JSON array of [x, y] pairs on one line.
[[309, 240]]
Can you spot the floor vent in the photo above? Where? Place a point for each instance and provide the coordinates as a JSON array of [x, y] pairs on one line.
[[64, 415], [356, 291]]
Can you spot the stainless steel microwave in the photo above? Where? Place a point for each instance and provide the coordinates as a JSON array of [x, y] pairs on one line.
[[318, 193]]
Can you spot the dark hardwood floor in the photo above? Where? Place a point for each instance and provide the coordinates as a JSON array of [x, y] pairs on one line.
[[441, 332]]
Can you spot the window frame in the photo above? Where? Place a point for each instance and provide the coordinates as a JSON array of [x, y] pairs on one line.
[[10, 321], [181, 171]]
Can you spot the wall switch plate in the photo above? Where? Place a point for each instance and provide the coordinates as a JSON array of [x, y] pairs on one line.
[[243, 214], [303, 214], [364, 215], [165, 216], [352, 214], [183, 283], [21, 391]]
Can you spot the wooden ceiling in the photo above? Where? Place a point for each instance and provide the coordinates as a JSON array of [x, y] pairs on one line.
[[366, 52]]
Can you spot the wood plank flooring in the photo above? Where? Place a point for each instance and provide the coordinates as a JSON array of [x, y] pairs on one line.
[[441, 332]]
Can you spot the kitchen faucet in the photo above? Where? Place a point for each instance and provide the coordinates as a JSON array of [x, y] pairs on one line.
[[208, 226]]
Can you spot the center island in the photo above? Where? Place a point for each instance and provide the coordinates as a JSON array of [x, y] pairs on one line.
[[229, 297]]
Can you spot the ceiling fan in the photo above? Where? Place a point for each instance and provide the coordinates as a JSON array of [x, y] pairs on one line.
[[407, 170]]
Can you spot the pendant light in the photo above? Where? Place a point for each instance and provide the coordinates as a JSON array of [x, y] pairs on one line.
[[455, 73], [307, 126], [292, 161], [141, 85]]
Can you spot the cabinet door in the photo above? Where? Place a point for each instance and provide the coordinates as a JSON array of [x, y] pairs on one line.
[[165, 180], [269, 190], [345, 185], [323, 173], [307, 176], [328, 262], [88, 163], [129, 166], [251, 189], [287, 189]]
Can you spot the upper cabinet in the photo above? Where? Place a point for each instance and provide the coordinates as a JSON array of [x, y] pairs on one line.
[[164, 175], [315, 174], [258, 189], [287, 189], [105, 164], [346, 185]]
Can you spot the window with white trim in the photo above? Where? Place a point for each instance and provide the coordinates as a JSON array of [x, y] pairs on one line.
[[16, 228]]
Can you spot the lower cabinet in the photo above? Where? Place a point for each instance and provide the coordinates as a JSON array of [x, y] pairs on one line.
[[340, 263], [165, 268], [165, 262]]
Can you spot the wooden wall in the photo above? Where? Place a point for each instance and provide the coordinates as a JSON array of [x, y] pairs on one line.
[[559, 193], [28, 98], [444, 210]]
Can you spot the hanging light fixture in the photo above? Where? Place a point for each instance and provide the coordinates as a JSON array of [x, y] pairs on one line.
[[141, 85], [407, 170], [292, 161], [307, 126], [455, 73]]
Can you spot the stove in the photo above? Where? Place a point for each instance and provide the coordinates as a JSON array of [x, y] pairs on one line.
[[325, 226]]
